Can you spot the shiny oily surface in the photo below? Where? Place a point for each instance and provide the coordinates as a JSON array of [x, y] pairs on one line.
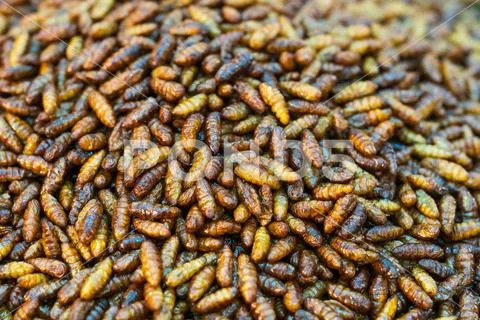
[[239, 159]]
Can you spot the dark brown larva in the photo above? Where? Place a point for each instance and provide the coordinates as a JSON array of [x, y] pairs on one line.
[[239, 159]]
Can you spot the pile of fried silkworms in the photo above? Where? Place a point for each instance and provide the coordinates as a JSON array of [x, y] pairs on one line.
[[239, 159]]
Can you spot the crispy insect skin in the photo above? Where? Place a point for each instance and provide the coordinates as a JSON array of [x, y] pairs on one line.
[[8, 137], [247, 277], [29, 193], [133, 311], [228, 71], [261, 244], [332, 191], [251, 199], [171, 91], [250, 96], [201, 282], [53, 210], [321, 309], [50, 242], [190, 105], [102, 108], [256, 175], [414, 293], [468, 305], [281, 249], [162, 51], [362, 142], [274, 98], [213, 132], [418, 251], [88, 220], [301, 90], [51, 267], [311, 148], [89, 168], [355, 90], [96, 280], [437, 268], [191, 55], [353, 252], [426, 205], [295, 127], [427, 283], [338, 214], [150, 260], [205, 198], [351, 299], [190, 129], [261, 78], [183, 273], [121, 218]]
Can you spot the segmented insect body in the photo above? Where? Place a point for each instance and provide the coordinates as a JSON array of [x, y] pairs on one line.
[[247, 277], [414, 292], [150, 260], [96, 280], [355, 90], [8, 137], [192, 54], [228, 71], [190, 105], [301, 90], [183, 273], [102, 108], [342, 208], [311, 148], [350, 298], [274, 98]]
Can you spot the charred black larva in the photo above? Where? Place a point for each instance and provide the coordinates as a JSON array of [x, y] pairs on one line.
[[239, 159]]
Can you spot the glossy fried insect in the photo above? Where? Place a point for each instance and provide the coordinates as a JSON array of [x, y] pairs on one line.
[[102, 108], [228, 71], [448, 170], [332, 191], [425, 280], [88, 220], [427, 205], [355, 90], [384, 233], [350, 298], [302, 90], [169, 90], [191, 54], [183, 273], [418, 251], [53, 210], [362, 142], [8, 137], [274, 98], [311, 148], [150, 260], [89, 168], [190, 105], [342, 208], [96, 280], [261, 244], [250, 96], [414, 293], [256, 175], [247, 277], [352, 251]]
